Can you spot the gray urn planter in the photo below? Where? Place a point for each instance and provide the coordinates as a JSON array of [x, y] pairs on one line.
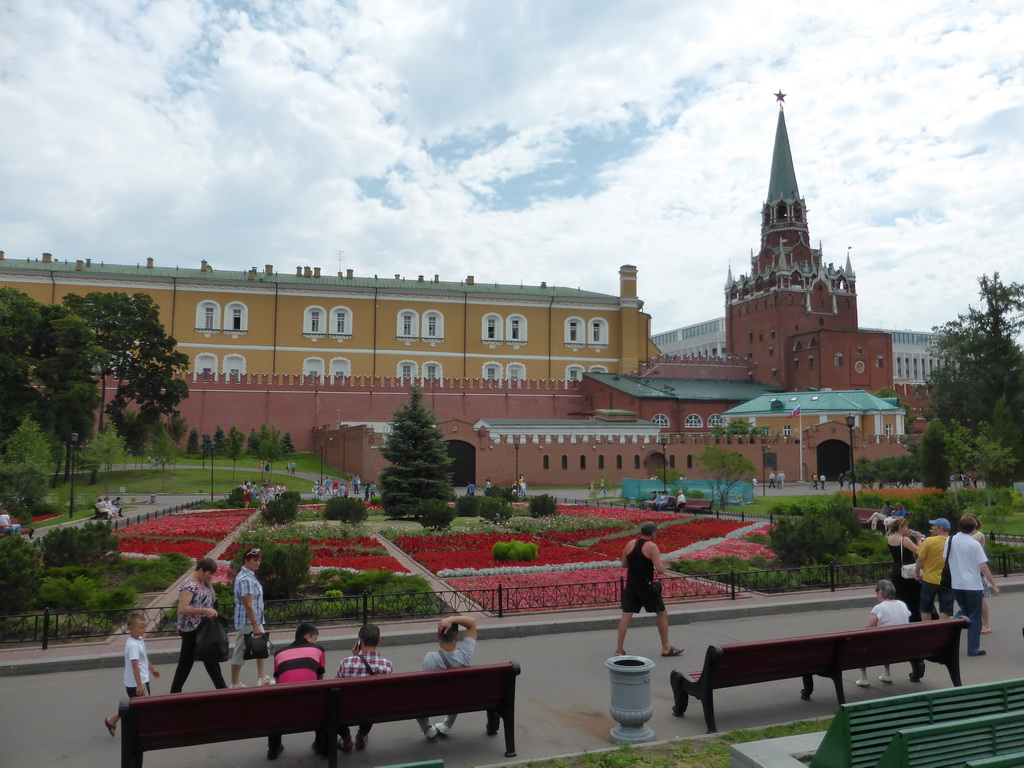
[[631, 698]]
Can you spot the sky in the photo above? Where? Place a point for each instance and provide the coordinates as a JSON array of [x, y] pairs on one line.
[[520, 142]]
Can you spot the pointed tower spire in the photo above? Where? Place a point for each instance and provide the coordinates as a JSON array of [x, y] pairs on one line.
[[782, 184], [849, 264]]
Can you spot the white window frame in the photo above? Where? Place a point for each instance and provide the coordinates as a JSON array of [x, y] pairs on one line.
[[205, 361], [437, 375], [208, 316], [575, 331], [314, 317], [229, 317], [694, 421], [410, 374], [491, 322], [516, 372], [345, 314], [408, 325], [574, 369], [660, 419], [598, 369], [313, 362], [515, 329], [491, 371], [716, 420], [344, 364], [229, 363], [597, 332], [438, 318]]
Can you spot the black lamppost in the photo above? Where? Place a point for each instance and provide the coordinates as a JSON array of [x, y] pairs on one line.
[[764, 460], [851, 421], [71, 501], [515, 444], [322, 445], [213, 444], [663, 441]]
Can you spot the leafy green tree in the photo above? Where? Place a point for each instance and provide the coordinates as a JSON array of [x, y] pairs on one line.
[[234, 447], [724, 469], [934, 463], [218, 440], [992, 460], [134, 352], [106, 449], [20, 319], [1003, 431], [269, 446], [177, 427], [164, 452], [420, 467], [982, 360], [20, 573], [23, 469]]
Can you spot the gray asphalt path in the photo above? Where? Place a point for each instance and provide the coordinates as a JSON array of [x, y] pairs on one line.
[[55, 717]]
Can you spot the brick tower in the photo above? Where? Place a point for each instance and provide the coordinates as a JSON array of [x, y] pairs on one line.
[[794, 317]]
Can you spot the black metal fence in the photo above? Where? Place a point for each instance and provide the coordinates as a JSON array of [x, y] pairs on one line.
[[65, 626]]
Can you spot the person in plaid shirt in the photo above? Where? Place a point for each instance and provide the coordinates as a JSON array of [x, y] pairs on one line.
[[364, 661]]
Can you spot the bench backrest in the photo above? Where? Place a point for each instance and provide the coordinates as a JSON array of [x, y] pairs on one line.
[[887, 645], [1010, 760], [761, 661], [860, 731], [954, 742], [423, 694]]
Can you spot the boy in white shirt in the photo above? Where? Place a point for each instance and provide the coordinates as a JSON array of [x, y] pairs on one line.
[[137, 669], [889, 612]]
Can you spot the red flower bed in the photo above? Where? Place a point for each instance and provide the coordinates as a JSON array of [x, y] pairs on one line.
[[189, 547], [214, 525], [360, 554], [575, 537], [633, 516], [364, 563], [537, 591], [473, 550], [672, 537], [40, 518]]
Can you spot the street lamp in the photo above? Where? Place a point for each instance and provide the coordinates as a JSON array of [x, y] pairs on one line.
[[71, 501], [213, 444], [515, 480], [663, 441], [764, 460], [322, 444], [851, 421]]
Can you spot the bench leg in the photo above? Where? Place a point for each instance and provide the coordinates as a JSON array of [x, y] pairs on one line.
[[680, 698], [708, 701], [808, 688], [508, 722], [493, 720]]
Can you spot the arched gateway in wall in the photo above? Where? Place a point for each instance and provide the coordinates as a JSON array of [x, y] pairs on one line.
[[463, 455], [833, 457]]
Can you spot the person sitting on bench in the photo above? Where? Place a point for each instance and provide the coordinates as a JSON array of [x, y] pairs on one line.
[[7, 525]]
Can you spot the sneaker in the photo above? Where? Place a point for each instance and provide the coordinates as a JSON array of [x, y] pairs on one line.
[[442, 729], [863, 682], [238, 685], [885, 678], [430, 733], [345, 745], [265, 680], [361, 741]]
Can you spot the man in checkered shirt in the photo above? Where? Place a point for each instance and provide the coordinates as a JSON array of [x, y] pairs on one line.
[[364, 661]]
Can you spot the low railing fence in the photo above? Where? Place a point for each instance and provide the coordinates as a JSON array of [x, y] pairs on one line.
[[66, 626]]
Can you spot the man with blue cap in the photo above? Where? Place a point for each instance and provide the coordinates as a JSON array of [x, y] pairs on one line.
[[931, 558]]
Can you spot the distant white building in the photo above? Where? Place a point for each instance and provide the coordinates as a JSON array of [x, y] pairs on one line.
[[913, 352]]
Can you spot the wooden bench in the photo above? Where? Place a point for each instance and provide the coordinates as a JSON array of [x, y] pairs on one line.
[[189, 719], [698, 505], [25, 531], [864, 515], [826, 655], [860, 732], [954, 742]]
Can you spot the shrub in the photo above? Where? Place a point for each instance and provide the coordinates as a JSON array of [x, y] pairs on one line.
[[292, 495], [91, 544], [516, 551], [435, 514], [281, 511], [542, 506], [496, 510], [467, 506], [816, 537], [284, 569], [499, 492], [347, 510], [84, 593], [235, 499], [20, 573]]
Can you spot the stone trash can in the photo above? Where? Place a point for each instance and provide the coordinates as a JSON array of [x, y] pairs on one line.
[[631, 698]]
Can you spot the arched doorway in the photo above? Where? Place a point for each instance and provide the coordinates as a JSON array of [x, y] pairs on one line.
[[463, 455], [833, 458]]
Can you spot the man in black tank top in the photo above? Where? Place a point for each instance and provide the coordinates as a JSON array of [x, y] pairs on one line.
[[641, 559]]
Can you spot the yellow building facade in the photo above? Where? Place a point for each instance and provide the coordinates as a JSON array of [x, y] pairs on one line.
[[261, 321]]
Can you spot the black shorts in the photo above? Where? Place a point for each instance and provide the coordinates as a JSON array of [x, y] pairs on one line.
[[635, 597]]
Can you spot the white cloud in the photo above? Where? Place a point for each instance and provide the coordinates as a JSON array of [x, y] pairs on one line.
[[518, 142]]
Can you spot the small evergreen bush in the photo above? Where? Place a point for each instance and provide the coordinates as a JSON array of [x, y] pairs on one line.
[[347, 510], [284, 569], [235, 499], [91, 544], [500, 492], [281, 511], [20, 573], [515, 551], [542, 506], [496, 510], [467, 506], [292, 495], [435, 514]]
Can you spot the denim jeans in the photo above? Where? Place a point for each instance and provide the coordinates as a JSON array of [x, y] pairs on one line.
[[969, 601]]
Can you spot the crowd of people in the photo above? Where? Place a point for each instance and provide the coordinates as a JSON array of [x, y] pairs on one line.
[[261, 494]]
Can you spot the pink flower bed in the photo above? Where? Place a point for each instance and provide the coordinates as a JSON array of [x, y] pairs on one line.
[[634, 516], [194, 548], [473, 550], [192, 534], [539, 591], [363, 553], [731, 548], [672, 537]]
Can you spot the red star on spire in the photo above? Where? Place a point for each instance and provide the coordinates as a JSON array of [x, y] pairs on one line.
[[780, 96]]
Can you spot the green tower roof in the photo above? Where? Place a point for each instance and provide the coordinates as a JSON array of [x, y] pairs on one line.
[[782, 185]]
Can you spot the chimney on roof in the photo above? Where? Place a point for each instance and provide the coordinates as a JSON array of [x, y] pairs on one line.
[[307, 272], [398, 277], [203, 266], [251, 274], [470, 280], [543, 283], [437, 278], [1, 255], [298, 271], [419, 279], [79, 265], [47, 258], [348, 274], [316, 271], [149, 263], [269, 269]]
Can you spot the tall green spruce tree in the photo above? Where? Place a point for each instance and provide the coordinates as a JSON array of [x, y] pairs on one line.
[[420, 467]]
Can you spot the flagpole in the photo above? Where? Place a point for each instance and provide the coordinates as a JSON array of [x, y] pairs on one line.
[[800, 427]]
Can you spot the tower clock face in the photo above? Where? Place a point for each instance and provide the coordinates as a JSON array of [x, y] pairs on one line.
[[859, 366]]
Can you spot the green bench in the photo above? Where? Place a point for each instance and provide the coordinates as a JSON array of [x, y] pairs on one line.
[[1010, 760], [860, 731], [955, 742], [421, 764]]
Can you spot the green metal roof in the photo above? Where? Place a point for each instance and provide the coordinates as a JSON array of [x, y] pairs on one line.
[[656, 388], [782, 185], [326, 282], [846, 401]]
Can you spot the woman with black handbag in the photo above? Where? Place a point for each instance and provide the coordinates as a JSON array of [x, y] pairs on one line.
[[195, 605]]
